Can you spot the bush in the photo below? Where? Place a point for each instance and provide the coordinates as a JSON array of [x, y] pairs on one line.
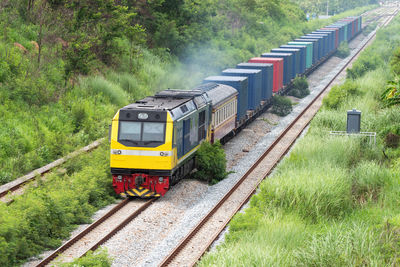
[[339, 94], [395, 62], [366, 62], [281, 105], [99, 258], [343, 50], [300, 87], [211, 162], [370, 28]]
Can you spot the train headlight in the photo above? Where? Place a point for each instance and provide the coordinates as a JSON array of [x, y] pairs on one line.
[[119, 178], [160, 179], [143, 116]]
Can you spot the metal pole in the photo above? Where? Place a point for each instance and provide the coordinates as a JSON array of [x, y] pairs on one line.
[[327, 7]]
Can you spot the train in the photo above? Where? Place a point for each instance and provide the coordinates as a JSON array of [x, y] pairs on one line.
[[153, 142]]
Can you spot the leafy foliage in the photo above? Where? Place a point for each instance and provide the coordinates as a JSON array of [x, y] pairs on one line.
[[281, 105], [343, 50], [334, 7], [211, 162], [391, 96], [339, 94], [300, 87], [44, 215], [99, 258], [395, 62]]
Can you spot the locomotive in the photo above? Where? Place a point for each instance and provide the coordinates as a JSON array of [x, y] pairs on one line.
[[154, 140]]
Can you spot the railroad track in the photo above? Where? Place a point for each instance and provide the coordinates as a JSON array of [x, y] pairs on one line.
[[100, 231], [198, 241], [17, 184]]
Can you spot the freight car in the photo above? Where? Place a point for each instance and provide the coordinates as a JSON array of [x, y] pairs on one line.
[[153, 141]]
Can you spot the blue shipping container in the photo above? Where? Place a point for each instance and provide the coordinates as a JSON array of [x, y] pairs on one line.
[[254, 88], [267, 72], [296, 58], [303, 55], [241, 85]]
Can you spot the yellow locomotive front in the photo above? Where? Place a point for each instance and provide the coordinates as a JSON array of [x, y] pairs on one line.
[[141, 151], [153, 141]]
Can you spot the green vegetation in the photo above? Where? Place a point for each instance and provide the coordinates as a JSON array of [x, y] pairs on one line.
[[67, 66], [334, 7], [45, 214], [334, 201], [98, 259], [300, 87], [211, 163], [370, 27], [343, 50], [281, 105]]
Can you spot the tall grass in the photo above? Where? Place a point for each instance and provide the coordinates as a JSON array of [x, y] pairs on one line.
[[335, 200]]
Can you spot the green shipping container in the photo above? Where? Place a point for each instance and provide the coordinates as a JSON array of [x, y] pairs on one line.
[[309, 53]]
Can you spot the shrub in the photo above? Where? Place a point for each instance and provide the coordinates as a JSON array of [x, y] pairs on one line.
[[370, 27], [343, 50], [211, 162], [366, 62], [392, 140], [339, 93], [300, 87], [391, 96], [99, 258], [281, 106], [395, 62]]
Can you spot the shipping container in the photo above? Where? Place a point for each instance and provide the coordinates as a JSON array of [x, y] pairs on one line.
[[254, 86], [309, 54], [296, 59], [332, 37], [315, 47], [240, 84], [341, 31], [336, 35], [324, 39], [320, 41], [303, 55], [267, 79], [329, 40], [277, 72], [287, 64]]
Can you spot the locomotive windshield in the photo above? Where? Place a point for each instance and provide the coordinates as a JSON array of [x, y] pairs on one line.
[[133, 133]]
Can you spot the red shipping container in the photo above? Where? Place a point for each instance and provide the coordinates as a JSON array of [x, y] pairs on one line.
[[336, 35], [278, 70]]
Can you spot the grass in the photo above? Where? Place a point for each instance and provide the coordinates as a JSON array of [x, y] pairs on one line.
[[334, 201], [45, 214]]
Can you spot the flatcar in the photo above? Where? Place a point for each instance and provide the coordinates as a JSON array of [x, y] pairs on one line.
[[154, 141]]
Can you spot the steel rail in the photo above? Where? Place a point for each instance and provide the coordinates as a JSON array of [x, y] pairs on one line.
[[93, 226], [204, 220], [21, 181]]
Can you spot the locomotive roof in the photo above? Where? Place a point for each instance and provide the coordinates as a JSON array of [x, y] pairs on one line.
[[165, 100]]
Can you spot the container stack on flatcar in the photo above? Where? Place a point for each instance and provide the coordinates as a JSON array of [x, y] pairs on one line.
[[153, 141]]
